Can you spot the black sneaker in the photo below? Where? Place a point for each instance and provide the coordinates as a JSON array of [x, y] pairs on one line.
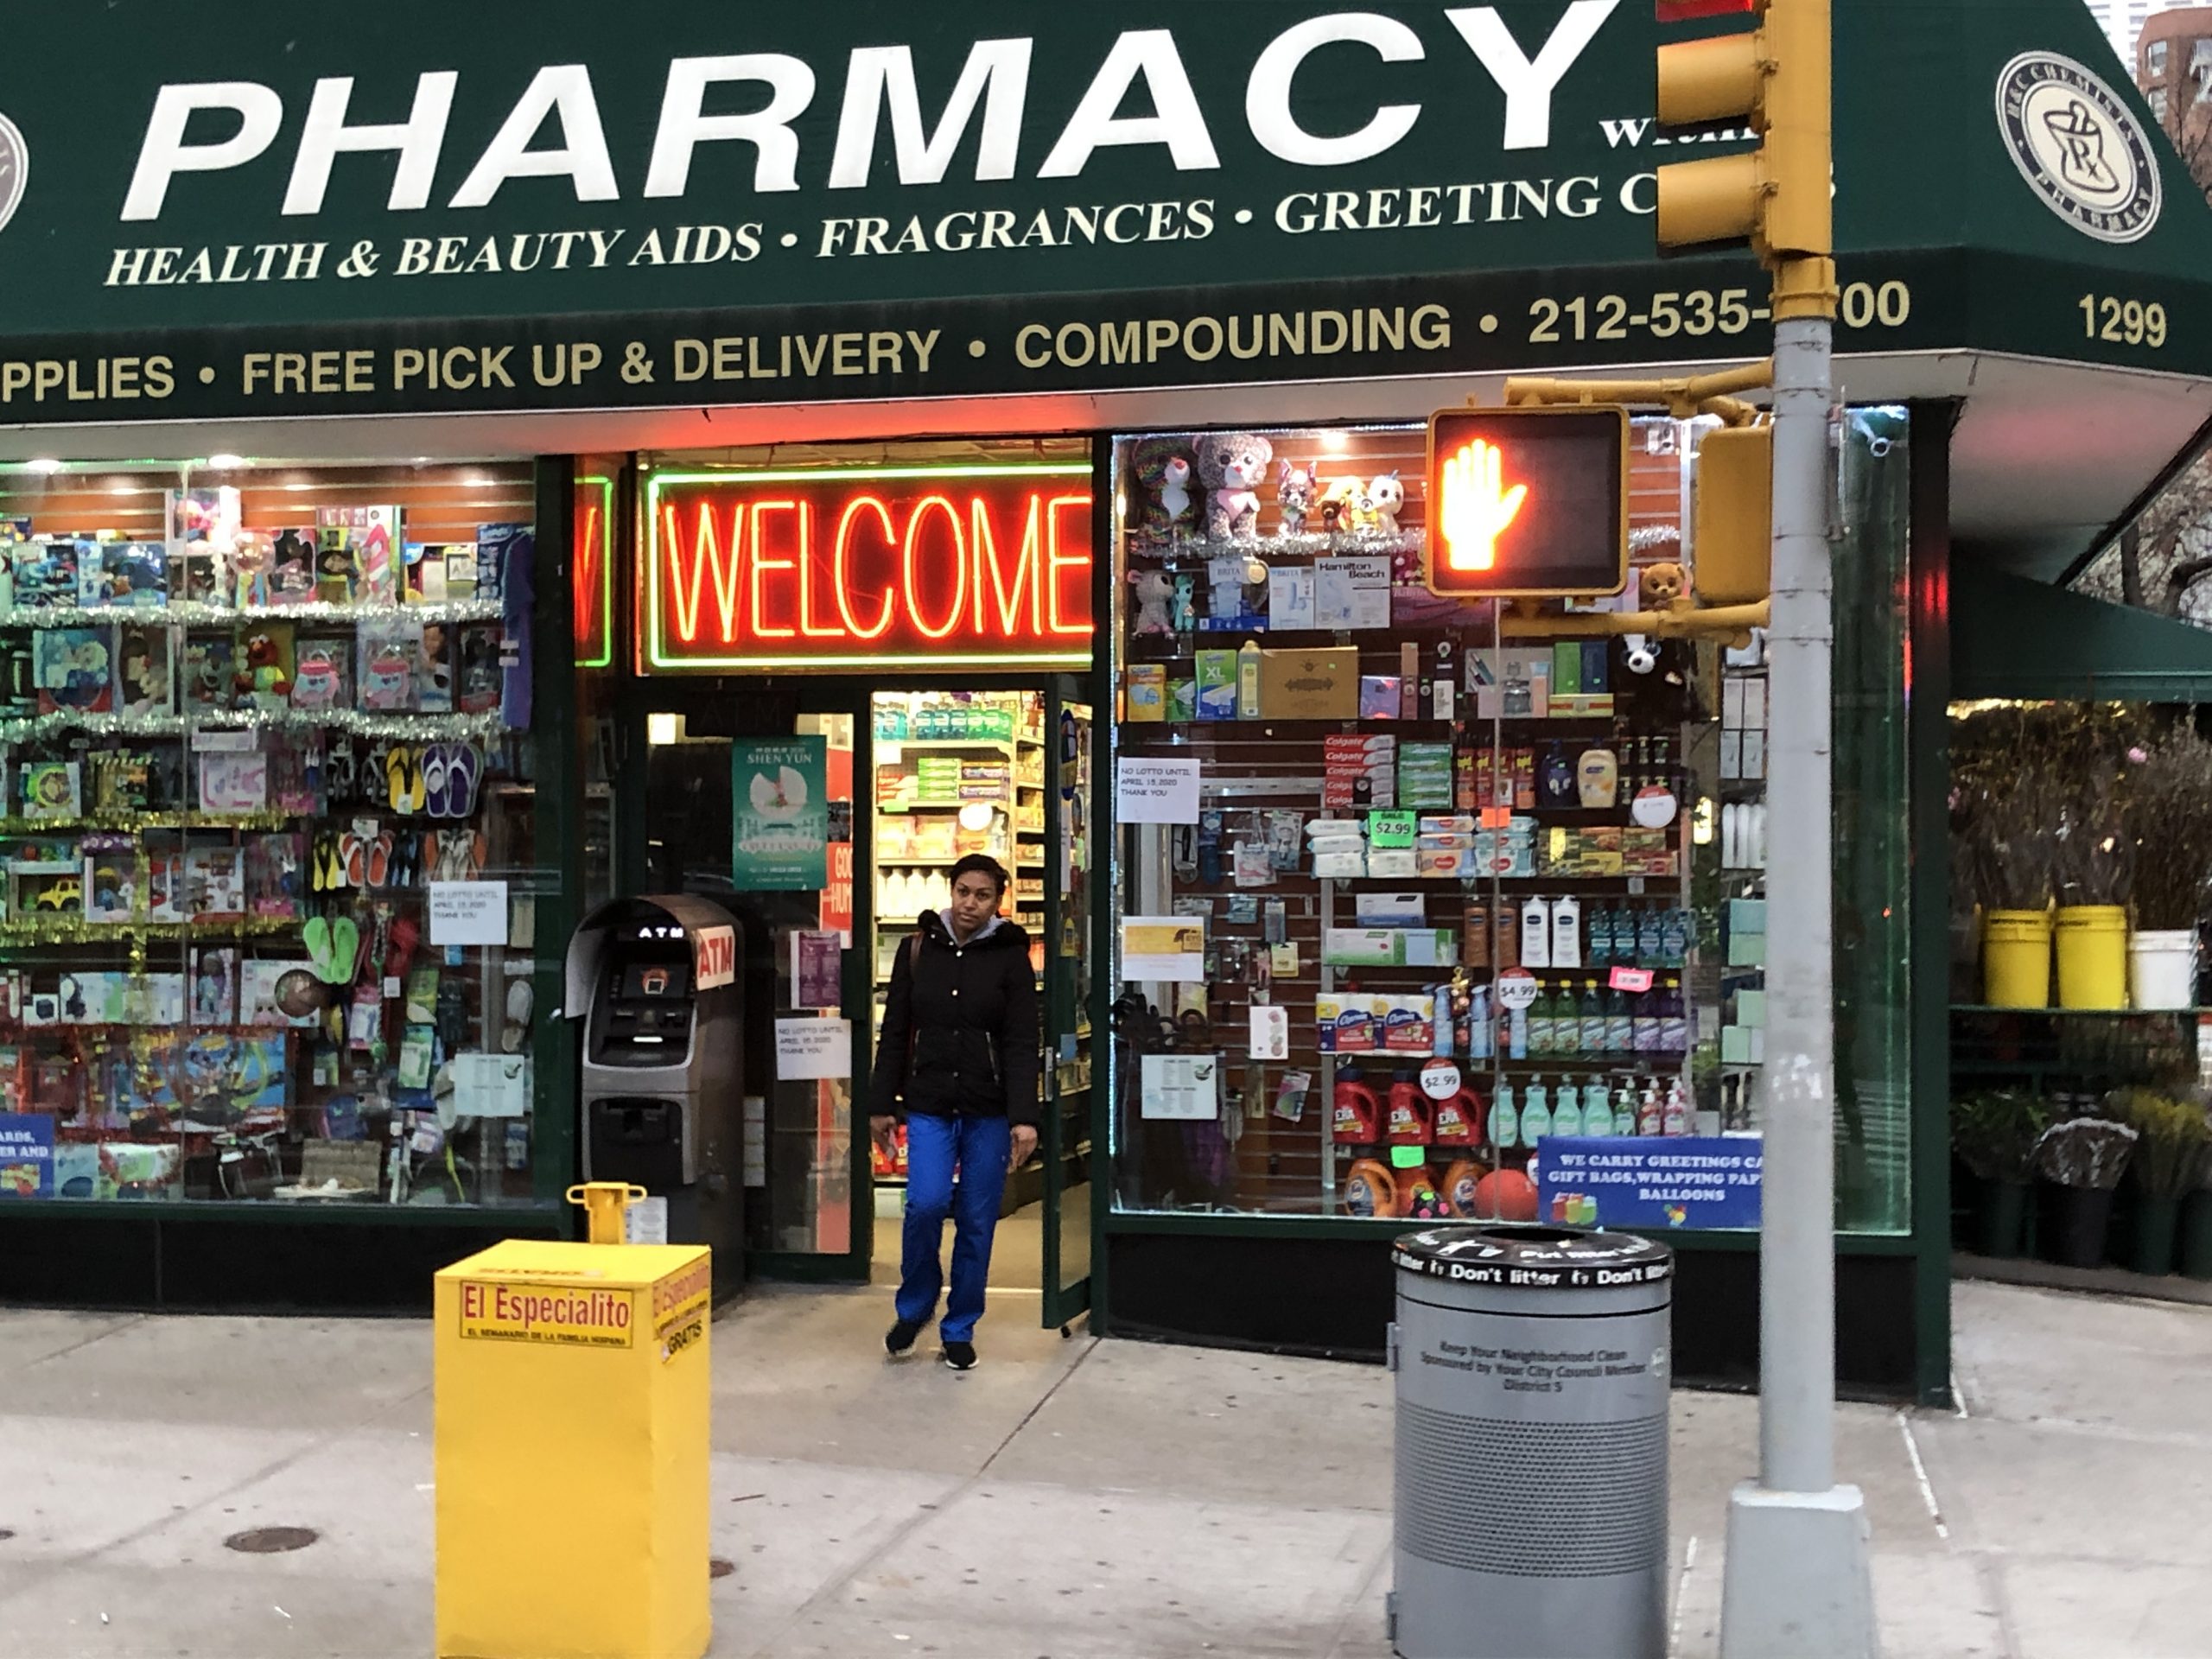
[[961, 1356], [898, 1341]]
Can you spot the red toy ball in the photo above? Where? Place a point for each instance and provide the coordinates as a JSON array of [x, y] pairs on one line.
[[1505, 1195]]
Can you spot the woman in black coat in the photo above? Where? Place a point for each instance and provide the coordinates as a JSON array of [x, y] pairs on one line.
[[958, 1060]]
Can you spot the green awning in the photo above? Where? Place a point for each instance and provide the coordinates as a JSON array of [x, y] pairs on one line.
[[2014, 638]]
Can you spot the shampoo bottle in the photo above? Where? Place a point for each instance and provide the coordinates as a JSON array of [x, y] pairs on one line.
[[1596, 1111], [1536, 1115], [1505, 1120]]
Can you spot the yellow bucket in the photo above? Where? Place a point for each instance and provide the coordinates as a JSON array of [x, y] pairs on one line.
[[2016, 958], [2092, 957]]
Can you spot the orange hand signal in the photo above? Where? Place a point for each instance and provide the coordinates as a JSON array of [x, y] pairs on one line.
[[1476, 507]]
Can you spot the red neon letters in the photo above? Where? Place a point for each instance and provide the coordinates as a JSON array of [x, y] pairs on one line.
[[843, 570]]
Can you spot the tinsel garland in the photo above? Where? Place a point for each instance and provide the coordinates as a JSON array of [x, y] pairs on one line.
[[346, 722], [71, 929], [198, 613], [138, 822]]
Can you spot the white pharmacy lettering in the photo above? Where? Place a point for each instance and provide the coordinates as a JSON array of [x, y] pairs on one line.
[[556, 128]]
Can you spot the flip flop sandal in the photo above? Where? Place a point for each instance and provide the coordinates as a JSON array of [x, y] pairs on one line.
[[464, 767], [434, 800], [355, 858], [395, 768], [521, 1000], [380, 860], [477, 848], [315, 937], [344, 951], [405, 935], [333, 863], [338, 772], [414, 781]]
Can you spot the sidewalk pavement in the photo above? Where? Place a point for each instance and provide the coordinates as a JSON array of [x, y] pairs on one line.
[[1071, 1499]]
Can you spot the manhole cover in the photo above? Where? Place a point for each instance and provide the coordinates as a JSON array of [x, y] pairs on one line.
[[271, 1541], [717, 1567]]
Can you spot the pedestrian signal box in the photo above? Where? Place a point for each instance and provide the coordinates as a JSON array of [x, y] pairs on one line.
[[1528, 502]]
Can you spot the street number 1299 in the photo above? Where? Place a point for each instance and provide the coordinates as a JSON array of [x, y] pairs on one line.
[[2124, 322]]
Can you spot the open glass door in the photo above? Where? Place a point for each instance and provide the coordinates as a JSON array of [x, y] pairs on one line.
[[1072, 847]]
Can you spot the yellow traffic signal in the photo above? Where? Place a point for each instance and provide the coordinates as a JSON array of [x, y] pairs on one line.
[[1732, 545], [1525, 502], [1776, 77]]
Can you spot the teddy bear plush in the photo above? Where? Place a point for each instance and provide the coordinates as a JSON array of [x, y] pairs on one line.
[[1167, 474], [1154, 594], [1233, 465], [1661, 585]]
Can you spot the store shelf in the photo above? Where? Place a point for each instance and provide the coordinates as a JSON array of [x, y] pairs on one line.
[[2076, 1013]]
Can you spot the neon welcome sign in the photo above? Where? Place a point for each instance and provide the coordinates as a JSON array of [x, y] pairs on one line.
[[591, 573], [846, 567]]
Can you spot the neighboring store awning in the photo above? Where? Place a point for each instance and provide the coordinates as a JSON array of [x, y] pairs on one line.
[[2014, 638]]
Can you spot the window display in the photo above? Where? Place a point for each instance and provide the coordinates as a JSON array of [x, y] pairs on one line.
[[266, 858], [1418, 895]]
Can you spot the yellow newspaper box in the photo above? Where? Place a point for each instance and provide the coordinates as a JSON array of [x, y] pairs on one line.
[[572, 1415]]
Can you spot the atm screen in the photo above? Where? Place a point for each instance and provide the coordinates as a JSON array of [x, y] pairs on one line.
[[655, 980]]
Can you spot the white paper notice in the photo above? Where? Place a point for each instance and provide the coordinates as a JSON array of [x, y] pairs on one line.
[[1351, 592], [468, 912], [813, 1049], [1270, 1031], [1156, 790], [1172, 947], [1181, 1086]]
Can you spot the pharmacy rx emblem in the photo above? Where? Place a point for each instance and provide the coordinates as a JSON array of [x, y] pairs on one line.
[[2079, 147], [14, 169]]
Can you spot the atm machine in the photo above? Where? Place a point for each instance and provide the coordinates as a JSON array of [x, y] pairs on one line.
[[657, 981]]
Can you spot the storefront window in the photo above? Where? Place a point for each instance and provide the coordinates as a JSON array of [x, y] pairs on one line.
[[268, 876], [1417, 900]]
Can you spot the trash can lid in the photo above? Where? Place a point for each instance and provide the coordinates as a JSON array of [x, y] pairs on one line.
[[1535, 1258]]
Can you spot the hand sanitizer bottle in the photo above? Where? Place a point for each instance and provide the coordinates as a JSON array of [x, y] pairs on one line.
[[1624, 1110], [1505, 1120]]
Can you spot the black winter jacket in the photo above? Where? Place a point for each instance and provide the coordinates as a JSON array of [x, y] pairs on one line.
[[960, 1027]]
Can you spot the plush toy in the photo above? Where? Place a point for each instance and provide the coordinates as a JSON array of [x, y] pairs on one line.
[[1661, 585], [1294, 492], [263, 676], [1335, 504], [1641, 652], [1386, 499], [1165, 469], [1154, 592], [1233, 465], [1181, 612]]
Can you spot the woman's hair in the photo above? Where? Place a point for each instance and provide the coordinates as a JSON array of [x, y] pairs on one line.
[[979, 864]]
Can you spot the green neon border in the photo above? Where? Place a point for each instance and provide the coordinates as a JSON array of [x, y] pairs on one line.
[[650, 660], [604, 657]]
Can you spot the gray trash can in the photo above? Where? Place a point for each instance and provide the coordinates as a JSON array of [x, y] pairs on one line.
[[1532, 1381]]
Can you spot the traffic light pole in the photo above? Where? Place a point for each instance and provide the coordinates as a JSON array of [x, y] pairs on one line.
[[1797, 1582]]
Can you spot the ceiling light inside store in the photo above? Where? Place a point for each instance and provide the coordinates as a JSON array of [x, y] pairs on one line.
[[976, 815], [1335, 443], [226, 463], [661, 729], [46, 464]]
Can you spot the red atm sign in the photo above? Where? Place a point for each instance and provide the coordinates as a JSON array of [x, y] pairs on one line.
[[895, 567]]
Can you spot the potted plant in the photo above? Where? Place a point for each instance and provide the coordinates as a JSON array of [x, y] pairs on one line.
[[2000, 819], [1995, 1132], [2084, 1158], [2196, 1225], [2169, 812], [2172, 1145], [2093, 872]]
